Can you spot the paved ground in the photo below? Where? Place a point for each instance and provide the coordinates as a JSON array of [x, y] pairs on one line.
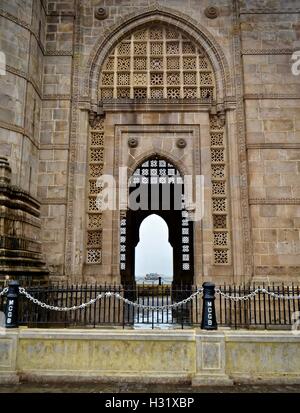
[[142, 388]]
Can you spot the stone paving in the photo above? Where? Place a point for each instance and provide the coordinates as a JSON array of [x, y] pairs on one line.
[[144, 388]]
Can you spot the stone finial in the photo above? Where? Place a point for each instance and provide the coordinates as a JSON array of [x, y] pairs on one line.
[[5, 171], [101, 13], [211, 12]]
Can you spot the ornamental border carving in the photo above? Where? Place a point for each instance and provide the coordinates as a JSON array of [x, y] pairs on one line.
[[19, 129], [271, 145], [271, 96], [37, 87], [268, 51], [272, 10], [74, 121], [279, 201], [241, 137]]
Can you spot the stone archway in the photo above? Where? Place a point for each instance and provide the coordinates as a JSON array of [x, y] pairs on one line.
[[154, 109], [157, 178]]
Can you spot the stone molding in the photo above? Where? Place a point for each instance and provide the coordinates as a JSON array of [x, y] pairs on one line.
[[19, 129], [53, 201], [56, 146], [57, 97], [37, 87], [254, 96], [287, 51], [52, 52], [156, 106], [278, 201], [273, 145], [273, 10]]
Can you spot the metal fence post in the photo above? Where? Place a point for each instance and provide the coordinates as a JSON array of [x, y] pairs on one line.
[[209, 321], [11, 310]]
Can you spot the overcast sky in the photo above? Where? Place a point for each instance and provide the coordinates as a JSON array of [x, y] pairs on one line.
[[154, 253]]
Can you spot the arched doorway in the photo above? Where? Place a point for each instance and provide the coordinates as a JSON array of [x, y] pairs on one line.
[[156, 186], [154, 253]]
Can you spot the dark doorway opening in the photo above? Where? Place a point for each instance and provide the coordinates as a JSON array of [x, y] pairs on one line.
[[157, 188]]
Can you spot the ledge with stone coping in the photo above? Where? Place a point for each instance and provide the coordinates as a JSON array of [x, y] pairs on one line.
[[193, 356]]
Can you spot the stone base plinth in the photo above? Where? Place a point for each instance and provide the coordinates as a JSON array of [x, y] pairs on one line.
[[211, 380]]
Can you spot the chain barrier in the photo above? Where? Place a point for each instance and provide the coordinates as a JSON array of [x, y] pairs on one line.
[[254, 293], [109, 294], [153, 307], [4, 291]]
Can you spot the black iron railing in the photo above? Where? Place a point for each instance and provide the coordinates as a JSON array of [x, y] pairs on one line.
[[260, 311]]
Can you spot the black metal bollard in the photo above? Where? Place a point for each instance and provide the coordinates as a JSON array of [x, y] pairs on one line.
[[209, 321], [11, 310]]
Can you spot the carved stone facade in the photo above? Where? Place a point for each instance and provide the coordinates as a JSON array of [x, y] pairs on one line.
[[97, 85]]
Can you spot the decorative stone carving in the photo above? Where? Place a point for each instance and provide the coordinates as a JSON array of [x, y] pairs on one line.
[[96, 153], [101, 13], [94, 118], [130, 71], [221, 119], [221, 243], [133, 142], [211, 12], [181, 143]]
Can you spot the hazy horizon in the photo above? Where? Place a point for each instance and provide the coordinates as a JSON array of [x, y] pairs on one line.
[[153, 253]]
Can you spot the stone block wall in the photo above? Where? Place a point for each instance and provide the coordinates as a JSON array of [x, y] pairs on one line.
[[272, 112], [44, 131]]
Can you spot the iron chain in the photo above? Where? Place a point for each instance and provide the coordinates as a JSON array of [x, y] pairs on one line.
[[254, 293], [109, 294], [152, 307], [4, 291]]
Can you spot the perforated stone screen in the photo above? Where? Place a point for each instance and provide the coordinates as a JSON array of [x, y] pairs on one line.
[[157, 62]]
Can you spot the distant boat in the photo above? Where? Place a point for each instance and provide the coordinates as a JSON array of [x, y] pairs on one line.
[[152, 276]]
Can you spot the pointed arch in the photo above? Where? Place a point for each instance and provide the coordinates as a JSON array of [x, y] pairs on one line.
[[178, 164], [158, 14]]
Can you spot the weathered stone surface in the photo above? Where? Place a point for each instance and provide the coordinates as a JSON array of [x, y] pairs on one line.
[[53, 70], [20, 248], [216, 358]]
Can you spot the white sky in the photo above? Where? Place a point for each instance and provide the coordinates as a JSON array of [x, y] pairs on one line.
[[154, 253]]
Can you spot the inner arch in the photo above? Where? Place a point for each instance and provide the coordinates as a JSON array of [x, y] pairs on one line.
[[153, 253]]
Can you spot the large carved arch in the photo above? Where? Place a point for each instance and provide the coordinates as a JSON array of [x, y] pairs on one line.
[[182, 168], [157, 14]]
